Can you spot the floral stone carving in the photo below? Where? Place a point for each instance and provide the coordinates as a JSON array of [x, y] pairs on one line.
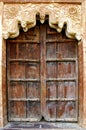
[[16, 15]]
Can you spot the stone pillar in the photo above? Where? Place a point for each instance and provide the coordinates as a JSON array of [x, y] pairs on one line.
[[3, 113], [83, 85]]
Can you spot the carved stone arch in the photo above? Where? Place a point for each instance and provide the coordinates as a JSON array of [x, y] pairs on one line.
[[25, 15]]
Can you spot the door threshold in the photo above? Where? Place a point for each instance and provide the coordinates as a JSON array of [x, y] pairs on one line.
[[42, 126]]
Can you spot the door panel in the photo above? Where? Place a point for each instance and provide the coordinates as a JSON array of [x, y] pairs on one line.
[[33, 90], [17, 110], [51, 70], [61, 78], [33, 51], [66, 69], [42, 76], [17, 70], [66, 50], [66, 89], [23, 76], [66, 110], [15, 88], [51, 50], [33, 110], [32, 70]]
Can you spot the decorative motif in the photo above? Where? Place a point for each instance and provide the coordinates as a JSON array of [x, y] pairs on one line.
[[25, 15], [11, 12]]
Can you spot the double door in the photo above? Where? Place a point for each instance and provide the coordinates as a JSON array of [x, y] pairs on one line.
[[42, 76]]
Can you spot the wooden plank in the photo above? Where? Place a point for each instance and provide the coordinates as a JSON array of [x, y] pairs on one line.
[[35, 119], [68, 119], [43, 68], [61, 60], [60, 40], [8, 83], [11, 50], [23, 41], [51, 88], [25, 119], [61, 79], [51, 50], [61, 99], [51, 69], [24, 60], [24, 80], [77, 84], [24, 99]]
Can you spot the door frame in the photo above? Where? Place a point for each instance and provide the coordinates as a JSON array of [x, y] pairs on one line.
[[80, 81], [82, 71]]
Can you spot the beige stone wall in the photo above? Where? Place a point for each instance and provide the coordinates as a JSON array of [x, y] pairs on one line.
[[82, 62], [40, 1], [1, 41], [3, 110]]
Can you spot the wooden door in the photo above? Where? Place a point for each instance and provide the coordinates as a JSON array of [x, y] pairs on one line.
[[42, 76]]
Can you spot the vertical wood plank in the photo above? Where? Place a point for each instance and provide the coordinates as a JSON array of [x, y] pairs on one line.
[[43, 68]]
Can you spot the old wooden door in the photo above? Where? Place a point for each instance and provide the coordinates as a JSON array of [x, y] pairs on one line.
[[42, 76]]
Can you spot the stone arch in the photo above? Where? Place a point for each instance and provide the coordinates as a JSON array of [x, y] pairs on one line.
[[16, 15]]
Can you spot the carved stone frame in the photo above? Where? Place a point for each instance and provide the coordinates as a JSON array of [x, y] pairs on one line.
[[16, 15], [11, 29]]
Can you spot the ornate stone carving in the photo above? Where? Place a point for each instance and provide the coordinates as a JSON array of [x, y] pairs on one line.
[[25, 15]]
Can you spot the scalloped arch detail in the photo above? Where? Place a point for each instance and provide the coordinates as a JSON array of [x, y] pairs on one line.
[[16, 15]]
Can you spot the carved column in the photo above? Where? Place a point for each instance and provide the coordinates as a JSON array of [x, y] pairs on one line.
[[3, 113]]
